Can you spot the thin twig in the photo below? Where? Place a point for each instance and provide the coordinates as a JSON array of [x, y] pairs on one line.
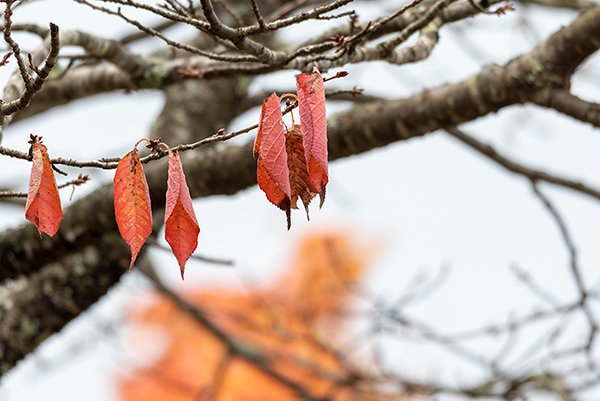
[[80, 180], [573, 262], [530, 173], [258, 15], [201, 258]]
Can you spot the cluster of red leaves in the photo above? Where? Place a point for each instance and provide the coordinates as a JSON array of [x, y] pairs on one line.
[[294, 321], [133, 210], [292, 163]]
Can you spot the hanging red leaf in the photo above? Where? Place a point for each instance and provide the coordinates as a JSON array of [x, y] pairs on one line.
[[269, 147], [181, 226], [43, 207], [311, 99], [300, 183], [132, 203]]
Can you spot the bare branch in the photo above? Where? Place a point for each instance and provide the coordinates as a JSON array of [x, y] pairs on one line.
[[258, 15], [7, 29], [33, 86], [250, 355], [531, 174], [200, 258], [575, 269], [564, 102], [80, 180]]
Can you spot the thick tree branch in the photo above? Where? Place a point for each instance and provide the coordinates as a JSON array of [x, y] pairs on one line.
[[66, 287]]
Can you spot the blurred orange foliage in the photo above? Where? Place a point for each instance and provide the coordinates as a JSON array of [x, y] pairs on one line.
[[295, 322]]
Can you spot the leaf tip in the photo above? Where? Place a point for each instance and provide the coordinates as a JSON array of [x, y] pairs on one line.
[[322, 196]]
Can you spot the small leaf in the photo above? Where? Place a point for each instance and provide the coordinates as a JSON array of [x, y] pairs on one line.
[[300, 182], [269, 146], [181, 226], [43, 206], [311, 99], [132, 203]]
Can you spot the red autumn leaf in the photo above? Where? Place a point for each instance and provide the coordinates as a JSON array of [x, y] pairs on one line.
[[300, 182], [311, 99], [181, 226], [132, 203], [43, 202], [269, 146]]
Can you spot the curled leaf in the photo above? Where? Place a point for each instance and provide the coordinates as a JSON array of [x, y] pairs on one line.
[[311, 99], [132, 203], [43, 206], [300, 183], [269, 147], [181, 226]]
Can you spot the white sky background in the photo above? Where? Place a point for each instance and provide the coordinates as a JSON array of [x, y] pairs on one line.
[[431, 202]]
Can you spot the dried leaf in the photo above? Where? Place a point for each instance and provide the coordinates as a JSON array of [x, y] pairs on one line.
[[300, 182], [269, 146], [311, 99], [43, 207], [181, 226], [132, 203]]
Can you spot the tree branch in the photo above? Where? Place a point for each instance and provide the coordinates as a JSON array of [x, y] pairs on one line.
[[564, 102], [531, 174], [66, 287]]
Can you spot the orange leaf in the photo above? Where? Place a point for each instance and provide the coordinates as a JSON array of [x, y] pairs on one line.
[[132, 203], [269, 146], [300, 182], [43, 202], [296, 321], [311, 99], [181, 226]]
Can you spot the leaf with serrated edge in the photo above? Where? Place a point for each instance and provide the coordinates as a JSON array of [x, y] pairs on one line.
[[272, 169], [132, 203], [43, 206], [300, 182], [181, 226], [311, 99]]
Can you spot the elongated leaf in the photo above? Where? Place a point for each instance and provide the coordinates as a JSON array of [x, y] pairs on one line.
[[132, 203], [269, 146], [181, 226], [311, 98], [300, 182], [43, 206]]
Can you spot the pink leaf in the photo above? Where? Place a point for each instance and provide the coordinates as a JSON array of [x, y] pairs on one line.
[[132, 203], [181, 226], [269, 146], [43, 202], [311, 98]]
